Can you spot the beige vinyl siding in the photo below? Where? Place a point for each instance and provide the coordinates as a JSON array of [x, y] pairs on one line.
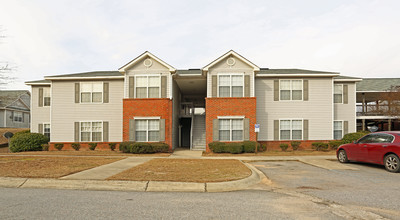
[[39, 115], [222, 67], [155, 69], [64, 110], [176, 100], [318, 110], [347, 112]]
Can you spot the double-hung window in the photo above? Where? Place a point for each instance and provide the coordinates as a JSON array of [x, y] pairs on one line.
[[46, 130], [230, 85], [46, 96], [91, 92], [291, 129], [338, 93], [91, 131], [291, 89], [337, 130], [148, 86], [231, 129], [18, 117], [147, 130]]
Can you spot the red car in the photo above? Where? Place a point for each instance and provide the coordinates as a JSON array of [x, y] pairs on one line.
[[379, 148]]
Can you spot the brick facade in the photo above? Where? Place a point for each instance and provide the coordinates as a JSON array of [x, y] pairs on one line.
[[157, 107], [229, 107]]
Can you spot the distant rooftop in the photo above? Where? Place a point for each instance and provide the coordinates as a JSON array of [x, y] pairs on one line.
[[7, 97], [292, 71], [377, 84]]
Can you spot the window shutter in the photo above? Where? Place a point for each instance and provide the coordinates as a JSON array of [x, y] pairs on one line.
[[305, 90], [215, 130], [40, 97], [276, 129], [246, 129], [163, 86], [131, 87], [246, 86], [345, 94], [162, 130], [132, 130], [76, 133], [105, 131], [214, 86], [12, 116], [106, 92], [345, 127], [40, 131], [77, 93], [23, 117], [305, 129], [276, 91]]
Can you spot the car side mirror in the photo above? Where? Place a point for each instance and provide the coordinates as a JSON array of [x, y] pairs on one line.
[[354, 142]]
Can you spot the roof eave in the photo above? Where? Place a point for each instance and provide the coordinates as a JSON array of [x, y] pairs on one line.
[[231, 52], [83, 77], [306, 74], [146, 53]]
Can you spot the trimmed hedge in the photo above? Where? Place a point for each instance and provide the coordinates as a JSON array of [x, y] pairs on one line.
[[320, 146], [143, 148], [92, 146], [295, 145], [58, 146], [235, 147], [76, 146], [335, 144], [284, 147], [350, 137], [112, 146], [26, 141], [249, 146]]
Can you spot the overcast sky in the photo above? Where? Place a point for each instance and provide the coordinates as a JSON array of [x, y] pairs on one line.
[[356, 38]]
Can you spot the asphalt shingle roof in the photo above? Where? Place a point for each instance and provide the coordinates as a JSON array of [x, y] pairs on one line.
[[292, 71], [377, 84], [7, 97], [189, 71], [90, 74], [346, 77], [39, 81]]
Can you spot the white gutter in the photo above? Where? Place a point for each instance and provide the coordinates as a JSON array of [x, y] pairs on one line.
[[347, 80]]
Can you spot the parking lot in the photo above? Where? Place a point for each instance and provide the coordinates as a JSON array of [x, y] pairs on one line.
[[366, 186]]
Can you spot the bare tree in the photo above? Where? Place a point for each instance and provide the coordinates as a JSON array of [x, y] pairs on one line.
[[6, 68], [389, 102]]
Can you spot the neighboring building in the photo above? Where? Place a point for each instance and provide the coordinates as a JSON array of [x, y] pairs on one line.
[[14, 108], [372, 109], [149, 100]]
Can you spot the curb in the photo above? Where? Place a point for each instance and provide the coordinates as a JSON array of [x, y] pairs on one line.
[[138, 186]]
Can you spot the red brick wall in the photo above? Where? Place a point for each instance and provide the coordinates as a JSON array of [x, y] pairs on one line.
[[274, 145], [229, 107], [148, 108]]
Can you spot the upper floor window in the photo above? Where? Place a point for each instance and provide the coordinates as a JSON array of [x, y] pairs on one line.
[[230, 129], [46, 96], [148, 86], [291, 89], [338, 93], [91, 131], [230, 85], [91, 92], [147, 130], [18, 117], [291, 129]]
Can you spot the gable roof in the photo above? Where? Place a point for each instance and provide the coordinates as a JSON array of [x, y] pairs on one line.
[[7, 97], [94, 74], [38, 82], [377, 84], [146, 53], [294, 72], [227, 54]]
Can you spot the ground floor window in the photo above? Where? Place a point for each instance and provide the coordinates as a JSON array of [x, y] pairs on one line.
[[291, 129], [91, 131], [147, 130], [231, 129], [337, 130], [46, 130]]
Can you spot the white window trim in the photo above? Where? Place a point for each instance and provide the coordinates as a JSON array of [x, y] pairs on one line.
[[22, 117], [341, 128], [46, 123], [335, 84], [291, 128], [91, 131], [230, 127], [47, 96], [91, 97], [291, 93], [230, 83], [147, 127], [147, 86]]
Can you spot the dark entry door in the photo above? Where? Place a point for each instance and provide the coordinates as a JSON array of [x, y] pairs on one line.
[[185, 132]]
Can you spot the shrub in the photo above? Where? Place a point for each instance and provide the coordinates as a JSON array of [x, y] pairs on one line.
[[143, 148], [76, 146], [124, 147], [26, 141], [284, 147], [350, 137], [160, 147], [92, 146], [261, 147], [58, 146], [112, 146], [235, 148], [249, 146], [335, 144], [217, 147], [319, 146], [295, 145], [45, 147]]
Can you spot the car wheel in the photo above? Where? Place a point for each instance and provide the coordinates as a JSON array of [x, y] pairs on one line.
[[342, 156], [392, 163]]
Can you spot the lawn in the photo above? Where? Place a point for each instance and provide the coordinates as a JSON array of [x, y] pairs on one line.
[[186, 170], [83, 153], [48, 167]]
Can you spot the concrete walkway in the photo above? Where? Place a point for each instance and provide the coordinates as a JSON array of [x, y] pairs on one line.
[[186, 154]]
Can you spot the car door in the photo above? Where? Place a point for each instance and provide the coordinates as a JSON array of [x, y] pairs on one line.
[[361, 148], [378, 149]]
